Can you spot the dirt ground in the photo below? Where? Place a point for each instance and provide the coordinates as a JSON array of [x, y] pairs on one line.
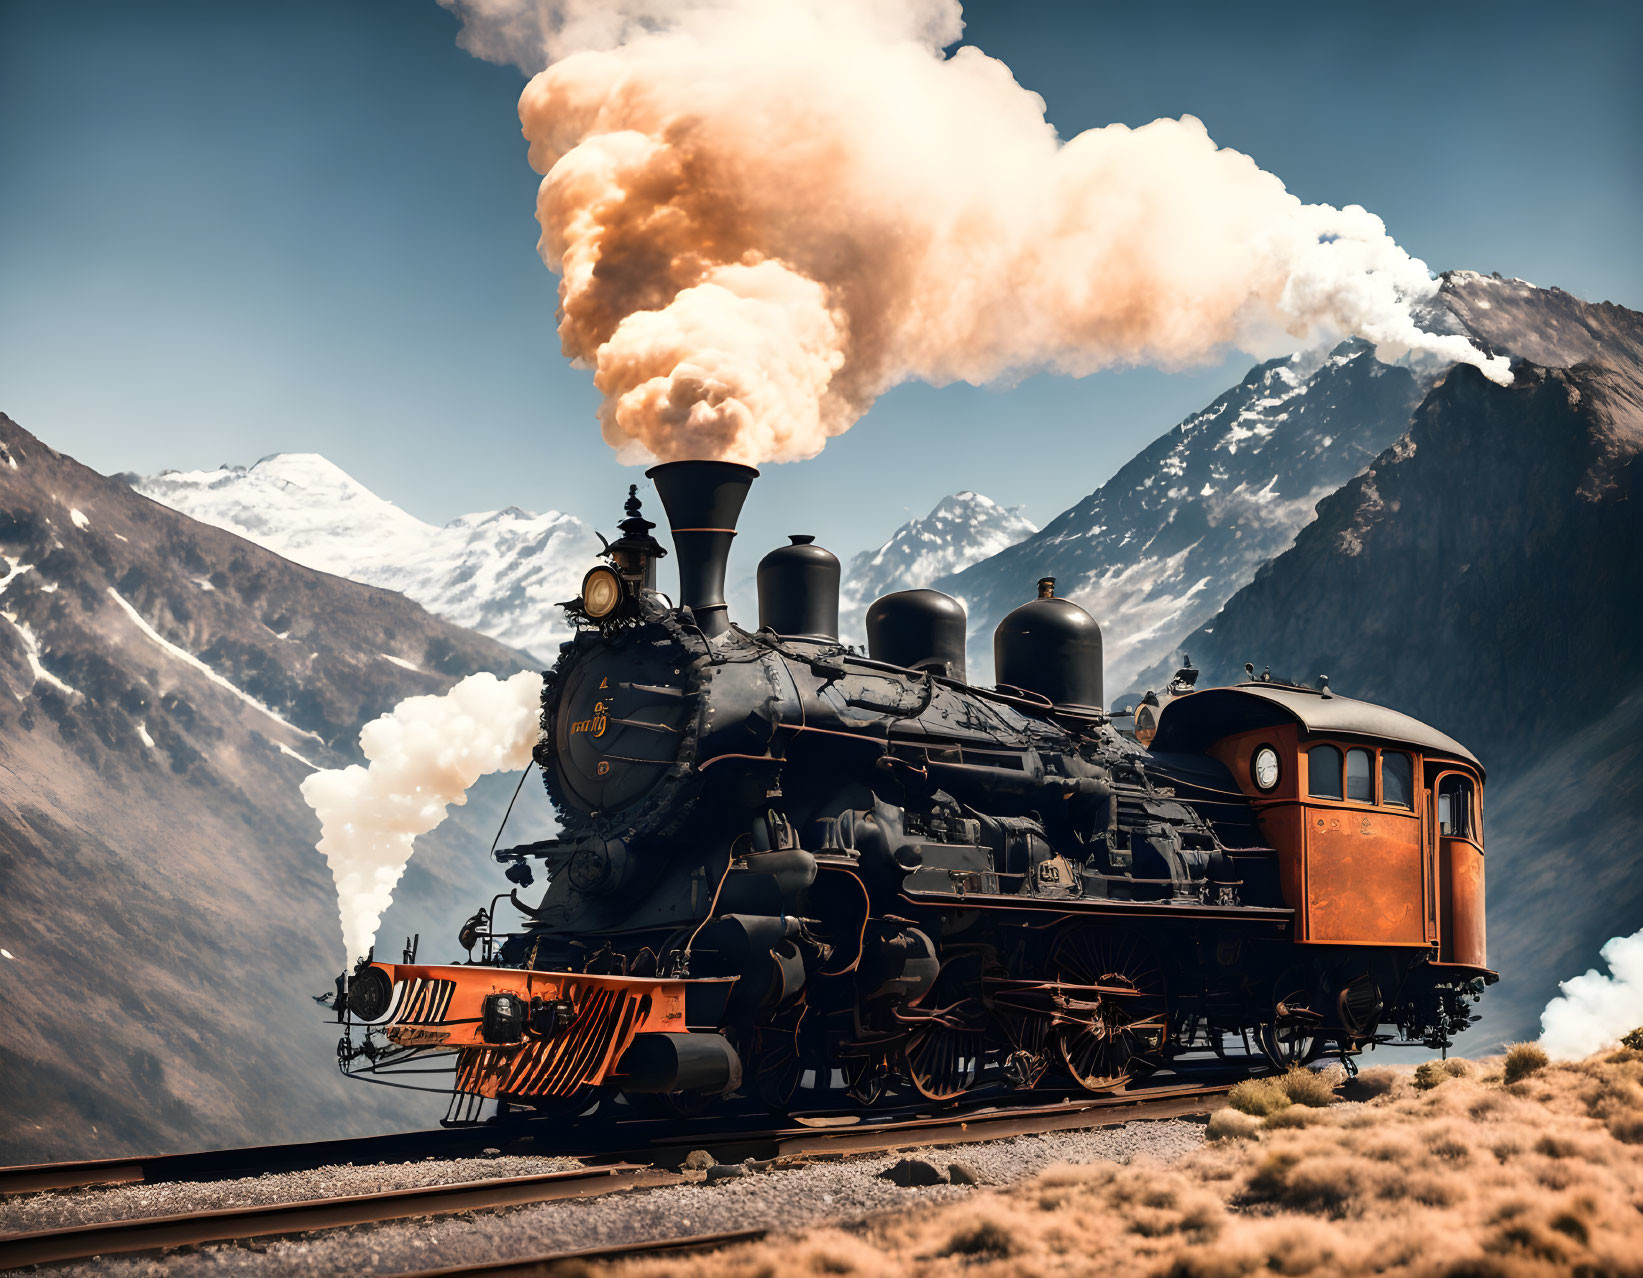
[[1450, 1170]]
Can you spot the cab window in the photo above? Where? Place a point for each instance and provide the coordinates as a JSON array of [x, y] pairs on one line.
[[1397, 779], [1455, 807], [1323, 772], [1360, 776]]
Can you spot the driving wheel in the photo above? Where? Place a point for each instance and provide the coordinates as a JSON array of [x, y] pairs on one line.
[[1111, 1009], [943, 1053]]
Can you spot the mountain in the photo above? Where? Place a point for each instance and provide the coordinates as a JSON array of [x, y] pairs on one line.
[[962, 529], [1160, 546], [164, 688], [501, 572], [1545, 326], [1482, 575]]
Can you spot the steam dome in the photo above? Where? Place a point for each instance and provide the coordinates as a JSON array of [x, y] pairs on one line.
[[799, 590], [918, 630], [1052, 647]]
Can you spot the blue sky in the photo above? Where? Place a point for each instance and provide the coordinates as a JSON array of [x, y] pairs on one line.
[[234, 229]]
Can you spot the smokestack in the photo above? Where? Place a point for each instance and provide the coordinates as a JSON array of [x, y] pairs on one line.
[[703, 500]]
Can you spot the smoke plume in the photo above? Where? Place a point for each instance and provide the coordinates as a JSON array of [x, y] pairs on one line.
[[1594, 1010], [766, 213], [423, 755]]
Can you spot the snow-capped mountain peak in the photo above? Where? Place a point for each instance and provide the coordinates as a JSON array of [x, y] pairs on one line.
[[501, 572], [1183, 525], [963, 528]]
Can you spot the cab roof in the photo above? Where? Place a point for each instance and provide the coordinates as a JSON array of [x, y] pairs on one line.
[[1199, 719]]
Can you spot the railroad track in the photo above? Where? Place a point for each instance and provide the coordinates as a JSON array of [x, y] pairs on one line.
[[822, 1136], [532, 1266], [225, 1164]]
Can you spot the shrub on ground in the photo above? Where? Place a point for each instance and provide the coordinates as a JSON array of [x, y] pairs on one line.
[[1306, 1087], [1259, 1096], [1522, 1060], [1430, 1074], [1294, 1116], [1232, 1124], [1378, 1080]]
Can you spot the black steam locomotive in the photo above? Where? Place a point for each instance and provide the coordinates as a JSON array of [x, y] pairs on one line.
[[790, 869]]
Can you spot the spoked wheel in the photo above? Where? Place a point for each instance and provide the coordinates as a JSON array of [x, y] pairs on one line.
[[781, 1055], [1289, 1037], [1112, 1019], [864, 1079], [942, 1056], [1028, 1030]]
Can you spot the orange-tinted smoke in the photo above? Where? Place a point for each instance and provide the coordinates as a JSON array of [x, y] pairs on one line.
[[766, 213]]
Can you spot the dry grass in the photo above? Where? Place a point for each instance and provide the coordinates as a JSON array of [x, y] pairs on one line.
[[1522, 1060], [1315, 1088], [1466, 1177], [1430, 1074], [1264, 1097], [1259, 1096]]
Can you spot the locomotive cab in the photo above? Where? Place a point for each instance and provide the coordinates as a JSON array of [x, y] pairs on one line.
[[1375, 816]]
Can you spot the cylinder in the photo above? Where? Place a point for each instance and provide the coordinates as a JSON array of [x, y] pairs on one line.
[[1051, 647], [799, 591], [679, 1063], [918, 630], [703, 500]]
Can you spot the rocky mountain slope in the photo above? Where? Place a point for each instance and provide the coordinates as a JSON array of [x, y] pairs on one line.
[[1482, 574], [501, 572], [963, 529], [165, 919], [1155, 551], [1157, 548], [1545, 326]]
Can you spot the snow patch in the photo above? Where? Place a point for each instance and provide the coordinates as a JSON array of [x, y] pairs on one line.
[[285, 749], [78, 516], [194, 663], [400, 662], [142, 733], [32, 653], [13, 572]]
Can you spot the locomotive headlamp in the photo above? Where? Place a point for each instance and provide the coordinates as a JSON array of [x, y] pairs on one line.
[[601, 592], [1264, 768]]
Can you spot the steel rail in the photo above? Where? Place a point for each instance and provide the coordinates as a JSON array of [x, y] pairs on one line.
[[153, 1233], [788, 1146], [222, 1164], [533, 1266]]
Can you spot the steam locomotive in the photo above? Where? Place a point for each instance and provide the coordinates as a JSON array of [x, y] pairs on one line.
[[790, 870]]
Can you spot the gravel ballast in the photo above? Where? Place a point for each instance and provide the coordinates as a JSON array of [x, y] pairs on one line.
[[781, 1199], [101, 1205]]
